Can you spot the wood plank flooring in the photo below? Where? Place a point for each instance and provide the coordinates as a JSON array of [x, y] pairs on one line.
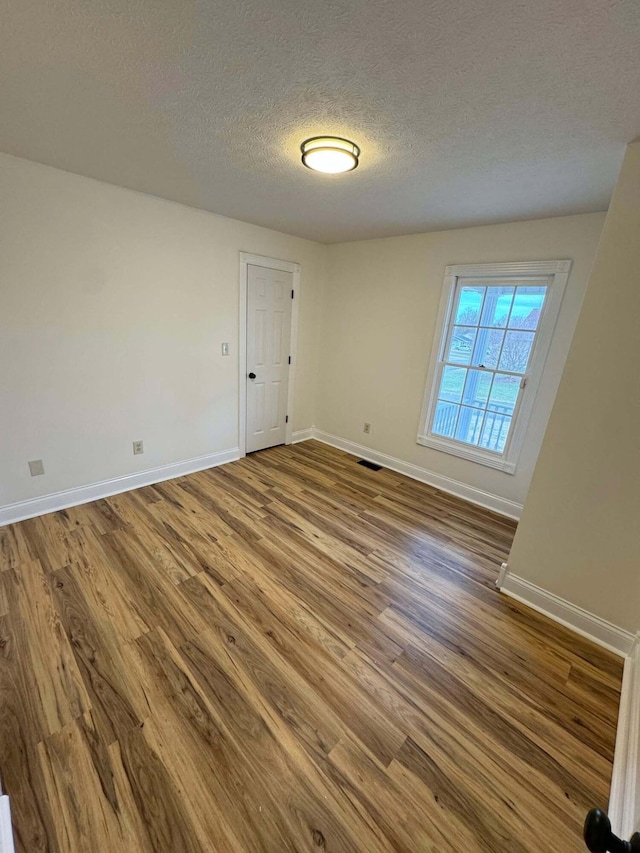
[[290, 652]]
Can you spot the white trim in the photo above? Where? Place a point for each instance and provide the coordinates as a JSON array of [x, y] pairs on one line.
[[559, 272], [242, 354], [293, 350], [269, 263], [302, 435], [473, 454], [509, 269], [453, 487], [624, 800], [6, 831], [581, 621], [501, 575], [247, 258], [11, 513]]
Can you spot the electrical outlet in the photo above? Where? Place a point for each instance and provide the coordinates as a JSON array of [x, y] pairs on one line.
[[225, 349], [36, 467], [138, 447], [367, 428]]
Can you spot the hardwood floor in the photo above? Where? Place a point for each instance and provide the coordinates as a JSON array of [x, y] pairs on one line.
[[290, 652]]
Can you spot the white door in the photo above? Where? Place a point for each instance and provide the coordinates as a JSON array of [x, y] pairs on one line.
[[269, 294]]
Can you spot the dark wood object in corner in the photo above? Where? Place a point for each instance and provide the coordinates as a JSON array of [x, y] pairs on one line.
[[600, 839]]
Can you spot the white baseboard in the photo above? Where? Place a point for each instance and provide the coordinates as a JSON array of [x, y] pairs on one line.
[[624, 801], [581, 621], [6, 831], [302, 435], [438, 481], [11, 513]]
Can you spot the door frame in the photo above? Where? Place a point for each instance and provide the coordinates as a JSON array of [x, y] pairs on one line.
[[246, 258]]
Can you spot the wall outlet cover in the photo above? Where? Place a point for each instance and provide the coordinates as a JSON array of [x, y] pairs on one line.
[[138, 447]]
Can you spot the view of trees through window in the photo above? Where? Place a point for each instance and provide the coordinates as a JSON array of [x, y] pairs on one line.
[[489, 342]]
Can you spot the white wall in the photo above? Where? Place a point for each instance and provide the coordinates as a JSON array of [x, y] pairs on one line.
[[381, 301], [113, 306], [580, 531]]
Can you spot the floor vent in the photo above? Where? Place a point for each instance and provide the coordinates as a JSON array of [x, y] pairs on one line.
[[370, 465]]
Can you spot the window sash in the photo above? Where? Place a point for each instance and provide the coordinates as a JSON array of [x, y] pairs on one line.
[[551, 274], [484, 409], [475, 430]]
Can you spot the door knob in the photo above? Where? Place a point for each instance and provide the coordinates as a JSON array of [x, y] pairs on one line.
[[599, 838], [252, 376]]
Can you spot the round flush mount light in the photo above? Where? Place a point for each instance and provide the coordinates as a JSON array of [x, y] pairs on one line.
[[330, 154]]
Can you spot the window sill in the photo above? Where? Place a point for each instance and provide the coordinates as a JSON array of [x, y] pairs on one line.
[[471, 454]]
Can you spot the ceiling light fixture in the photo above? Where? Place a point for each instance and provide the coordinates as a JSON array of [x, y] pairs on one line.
[[330, 154]]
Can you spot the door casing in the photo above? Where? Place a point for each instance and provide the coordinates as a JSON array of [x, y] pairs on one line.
[[270, 263]]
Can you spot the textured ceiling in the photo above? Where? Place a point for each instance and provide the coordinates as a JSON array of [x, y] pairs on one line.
[[467, 111]]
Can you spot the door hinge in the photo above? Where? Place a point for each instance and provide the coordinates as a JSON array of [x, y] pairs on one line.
[[286, 419], [292, 294], [289, 359]]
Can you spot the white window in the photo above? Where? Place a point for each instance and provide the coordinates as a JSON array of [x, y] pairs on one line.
[[494, 331]]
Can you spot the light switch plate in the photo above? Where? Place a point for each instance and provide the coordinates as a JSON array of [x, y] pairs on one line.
[[225, 349]]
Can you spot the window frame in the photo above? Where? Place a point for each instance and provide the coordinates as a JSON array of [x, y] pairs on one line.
[[558, 273]]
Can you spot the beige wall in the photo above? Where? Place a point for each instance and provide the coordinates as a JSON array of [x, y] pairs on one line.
[[580, 532], [113, 306], [379, 315]]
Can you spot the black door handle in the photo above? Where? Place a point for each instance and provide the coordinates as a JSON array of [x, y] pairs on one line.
[[600, 839], [252, 376]]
